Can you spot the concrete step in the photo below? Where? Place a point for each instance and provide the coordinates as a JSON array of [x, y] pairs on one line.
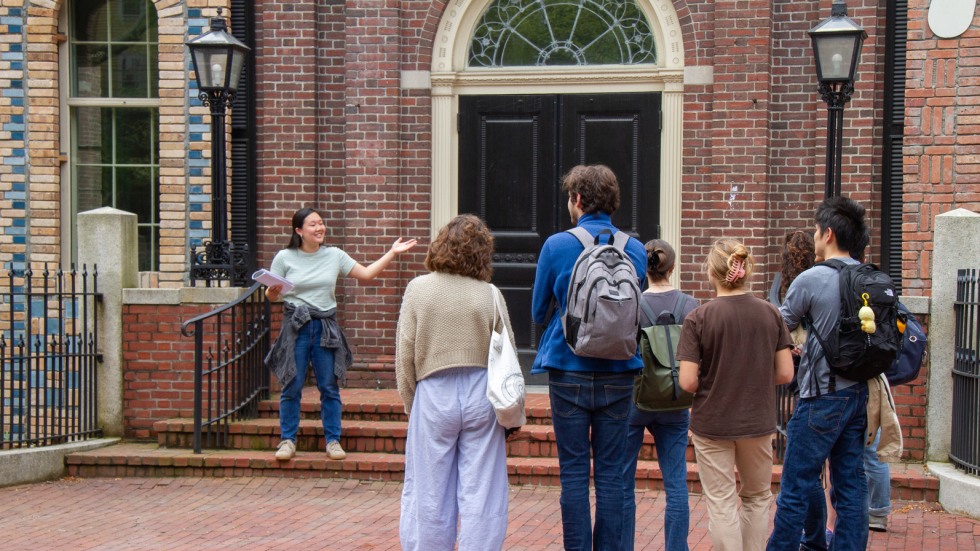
[[910, 482]]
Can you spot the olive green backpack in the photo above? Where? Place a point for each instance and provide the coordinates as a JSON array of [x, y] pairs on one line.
[[657, 387]]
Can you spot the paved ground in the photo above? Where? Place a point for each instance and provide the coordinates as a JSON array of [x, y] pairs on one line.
[[268, 513]]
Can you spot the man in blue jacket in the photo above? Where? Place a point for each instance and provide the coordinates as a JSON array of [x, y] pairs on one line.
[[589, 396]]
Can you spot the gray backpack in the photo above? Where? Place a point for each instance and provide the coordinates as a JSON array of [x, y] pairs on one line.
[[602, 316]]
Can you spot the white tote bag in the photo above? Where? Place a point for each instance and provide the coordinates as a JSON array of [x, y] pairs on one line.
[[505, 381]]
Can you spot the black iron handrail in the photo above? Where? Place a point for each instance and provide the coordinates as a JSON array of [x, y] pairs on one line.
[[49, 366], [230, 387], [964, 445]]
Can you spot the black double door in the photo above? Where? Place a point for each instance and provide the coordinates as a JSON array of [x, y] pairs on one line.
[[513, 151]]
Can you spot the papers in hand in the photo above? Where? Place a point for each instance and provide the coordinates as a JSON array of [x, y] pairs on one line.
[[269, 279]]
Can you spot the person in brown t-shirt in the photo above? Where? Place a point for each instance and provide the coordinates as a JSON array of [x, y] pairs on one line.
[[733, 352]]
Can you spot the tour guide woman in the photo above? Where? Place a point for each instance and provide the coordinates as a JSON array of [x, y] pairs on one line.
[[310, 333]]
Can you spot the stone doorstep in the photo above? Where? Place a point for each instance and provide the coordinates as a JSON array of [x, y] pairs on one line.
[[359, 435], [910, 482]]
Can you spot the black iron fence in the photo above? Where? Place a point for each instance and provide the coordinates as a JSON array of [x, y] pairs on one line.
[[49, 357], [230, 343], [785, 403], [964, 448]]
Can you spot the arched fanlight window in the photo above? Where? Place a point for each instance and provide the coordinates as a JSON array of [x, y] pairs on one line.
[[515, 33]]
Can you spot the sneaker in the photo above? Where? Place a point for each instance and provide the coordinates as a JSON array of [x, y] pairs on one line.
[[286, 450], [878, 524], [334, 451]]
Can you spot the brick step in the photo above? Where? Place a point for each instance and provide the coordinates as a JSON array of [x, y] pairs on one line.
[[358, 436], [385, 405], [909, 480]]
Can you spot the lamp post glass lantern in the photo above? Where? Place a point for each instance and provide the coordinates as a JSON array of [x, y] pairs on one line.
[[218, 59], [837, 44]]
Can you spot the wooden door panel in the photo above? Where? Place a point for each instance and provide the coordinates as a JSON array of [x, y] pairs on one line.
[[622, 132], [513, 151], [507, 177]]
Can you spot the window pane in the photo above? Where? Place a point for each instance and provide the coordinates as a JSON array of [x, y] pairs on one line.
[[92, 135], [129, 71], [90, 20], [88, 186], [133, 192], [154, 70], [128, 20], [151, 27], [91, 65], [147, 237], [134, 141], [559, 32]]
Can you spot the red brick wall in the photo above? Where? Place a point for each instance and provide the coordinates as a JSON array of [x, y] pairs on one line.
[[158, 366], [942, 170]]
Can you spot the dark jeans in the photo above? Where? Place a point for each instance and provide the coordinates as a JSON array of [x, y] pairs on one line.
[[589, 412], [669, 430], [831, 426]]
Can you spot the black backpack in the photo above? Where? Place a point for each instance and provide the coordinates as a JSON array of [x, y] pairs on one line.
[[852, 351]]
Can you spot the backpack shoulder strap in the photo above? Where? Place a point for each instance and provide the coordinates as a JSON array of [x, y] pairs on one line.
[[648, 312], [583, 236], [833, 263], [619, 240], [678, 310]]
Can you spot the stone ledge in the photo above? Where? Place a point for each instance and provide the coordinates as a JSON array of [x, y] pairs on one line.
[[183, 295], [23, 466], [959, 493]]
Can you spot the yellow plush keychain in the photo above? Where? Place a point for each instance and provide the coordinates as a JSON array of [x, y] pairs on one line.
[[867, 316]]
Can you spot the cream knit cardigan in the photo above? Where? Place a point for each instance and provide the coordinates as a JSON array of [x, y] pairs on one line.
[[445, 322]]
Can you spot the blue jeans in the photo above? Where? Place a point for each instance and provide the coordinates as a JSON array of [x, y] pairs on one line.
[[669, 430], [589, 413], [815, 525], [308, 350], [879, 481], [831, 425]]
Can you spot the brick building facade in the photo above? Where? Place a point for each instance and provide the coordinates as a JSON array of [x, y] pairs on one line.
[[356, 109]]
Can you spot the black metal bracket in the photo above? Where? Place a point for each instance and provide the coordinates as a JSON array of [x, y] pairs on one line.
[[216, 261]]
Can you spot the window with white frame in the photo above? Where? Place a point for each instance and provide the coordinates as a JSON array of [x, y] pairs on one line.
[[114, 103]]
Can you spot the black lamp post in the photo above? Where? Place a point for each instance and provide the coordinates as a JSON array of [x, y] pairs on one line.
[[218, 61], [837, 46]]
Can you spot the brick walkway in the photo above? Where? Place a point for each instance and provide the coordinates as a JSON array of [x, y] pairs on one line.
[[274, 513]]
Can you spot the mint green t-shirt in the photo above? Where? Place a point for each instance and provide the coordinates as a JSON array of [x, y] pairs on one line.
[[314, 275]]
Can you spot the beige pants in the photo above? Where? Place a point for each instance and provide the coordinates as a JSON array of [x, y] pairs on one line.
[[735, 528]]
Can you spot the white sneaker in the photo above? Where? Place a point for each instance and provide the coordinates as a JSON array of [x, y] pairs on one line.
[[286, 450], [334, 451]]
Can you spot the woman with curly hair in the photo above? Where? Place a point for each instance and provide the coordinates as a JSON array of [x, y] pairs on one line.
[[455, 454], [733, 352]]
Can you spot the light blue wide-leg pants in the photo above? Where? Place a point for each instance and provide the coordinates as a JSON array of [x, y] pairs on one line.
[[455, 466]]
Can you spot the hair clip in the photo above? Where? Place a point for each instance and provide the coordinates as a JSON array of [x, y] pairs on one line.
[[736, 271]]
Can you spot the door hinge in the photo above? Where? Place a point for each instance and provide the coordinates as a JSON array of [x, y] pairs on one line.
[[459, 122]]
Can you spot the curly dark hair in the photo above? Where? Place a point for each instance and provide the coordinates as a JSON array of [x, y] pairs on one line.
[[596, 185], [464, 246], [798, 256]]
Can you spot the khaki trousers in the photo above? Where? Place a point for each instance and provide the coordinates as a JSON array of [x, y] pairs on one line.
[[735, 528]]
